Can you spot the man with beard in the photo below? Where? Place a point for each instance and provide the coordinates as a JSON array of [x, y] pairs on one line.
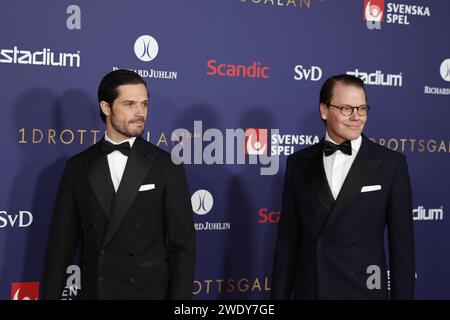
[[128, 204]]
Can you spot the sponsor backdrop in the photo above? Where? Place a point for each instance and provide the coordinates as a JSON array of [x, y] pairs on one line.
[[240, 79]]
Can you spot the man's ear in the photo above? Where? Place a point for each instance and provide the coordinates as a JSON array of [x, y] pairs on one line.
[[106, 109], [323, 111]]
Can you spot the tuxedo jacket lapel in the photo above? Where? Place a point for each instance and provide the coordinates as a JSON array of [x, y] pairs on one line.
[[363, 167], [100, 177], [315, 175], [137, 168]]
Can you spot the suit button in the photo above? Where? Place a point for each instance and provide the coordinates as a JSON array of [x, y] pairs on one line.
[[132, 280], [100, 279], [102, 252], [138, 224], [95, 224]]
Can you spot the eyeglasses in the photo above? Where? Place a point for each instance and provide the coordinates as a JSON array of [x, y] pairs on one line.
[[347, 110]]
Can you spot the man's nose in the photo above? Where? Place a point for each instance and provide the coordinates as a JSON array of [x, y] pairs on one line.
[[140, 110], [354, 115]]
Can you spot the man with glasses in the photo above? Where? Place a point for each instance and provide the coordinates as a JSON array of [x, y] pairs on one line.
[[339, 196]]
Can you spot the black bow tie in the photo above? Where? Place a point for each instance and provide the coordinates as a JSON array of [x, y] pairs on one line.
[[124, 147], [329, 147]]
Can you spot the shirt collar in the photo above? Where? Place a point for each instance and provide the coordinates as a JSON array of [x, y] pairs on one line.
[[130, 140]]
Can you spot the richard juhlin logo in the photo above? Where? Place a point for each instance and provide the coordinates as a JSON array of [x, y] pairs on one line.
[[445, 69], [146, 48], [202, 202], [436, 87]]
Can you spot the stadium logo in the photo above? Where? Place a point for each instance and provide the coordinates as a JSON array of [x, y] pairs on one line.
[[422, 214], [378, 78], [45, 57]]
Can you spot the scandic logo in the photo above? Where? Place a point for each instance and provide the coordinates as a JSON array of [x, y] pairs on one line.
[[374, 10], [25, 291], [268, 217], [255, 70]]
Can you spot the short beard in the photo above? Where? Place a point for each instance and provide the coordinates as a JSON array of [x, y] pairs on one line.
[[126, 133]]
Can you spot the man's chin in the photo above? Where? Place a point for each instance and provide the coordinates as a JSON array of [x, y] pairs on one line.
[[133, 134], [353, 136], [137, 133]]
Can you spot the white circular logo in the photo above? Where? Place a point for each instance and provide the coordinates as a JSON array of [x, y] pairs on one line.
[[146, 48], [202, 202], [445, 70]]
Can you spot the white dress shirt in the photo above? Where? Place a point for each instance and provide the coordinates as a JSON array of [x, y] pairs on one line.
[[338, 165], [117, 162]]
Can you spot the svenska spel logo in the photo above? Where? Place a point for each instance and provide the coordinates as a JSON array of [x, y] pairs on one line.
[[25, 291], [256, 141], [374, 10]]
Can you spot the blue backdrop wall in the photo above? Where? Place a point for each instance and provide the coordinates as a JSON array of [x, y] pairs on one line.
[[224, 64]]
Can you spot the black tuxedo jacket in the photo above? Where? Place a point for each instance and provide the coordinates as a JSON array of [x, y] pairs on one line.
[[134, 244], [331, 249]]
